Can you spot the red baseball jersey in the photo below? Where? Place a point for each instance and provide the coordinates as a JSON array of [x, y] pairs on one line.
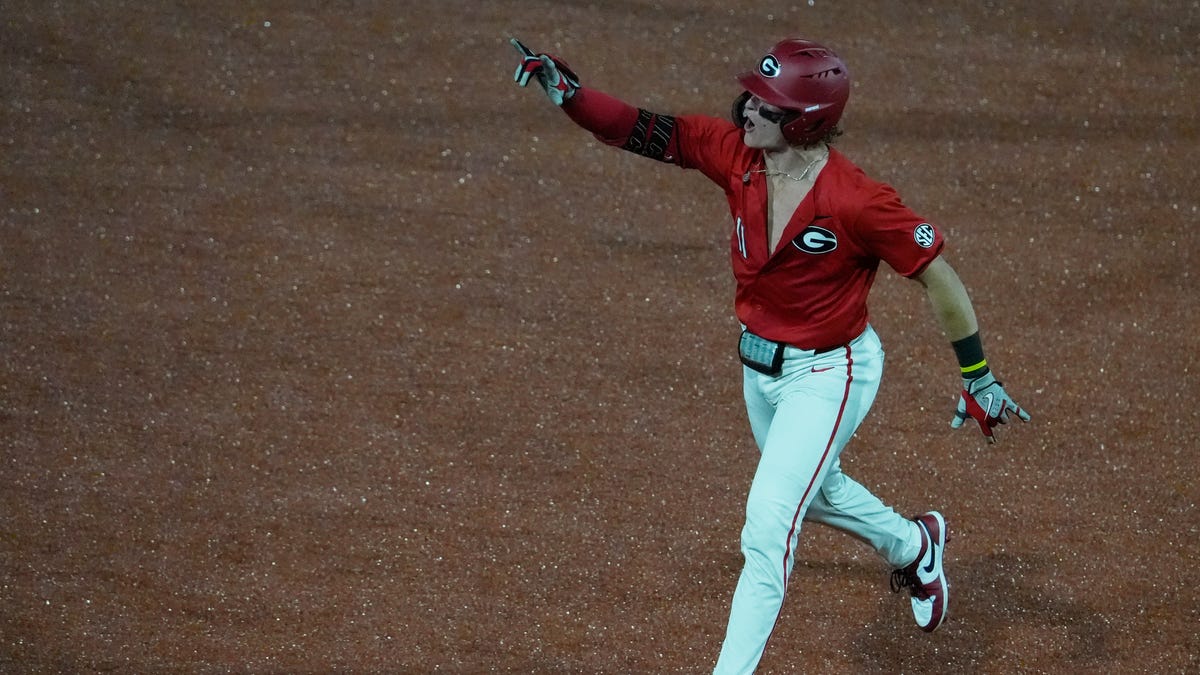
[[811, 292]]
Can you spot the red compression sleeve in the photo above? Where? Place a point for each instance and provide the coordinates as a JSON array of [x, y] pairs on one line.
[[609, 118]]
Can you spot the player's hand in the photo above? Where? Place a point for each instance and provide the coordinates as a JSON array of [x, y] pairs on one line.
[[557, 80], [985, 401]]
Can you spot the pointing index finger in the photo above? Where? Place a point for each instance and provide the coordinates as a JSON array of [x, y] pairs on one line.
[[520, 47]]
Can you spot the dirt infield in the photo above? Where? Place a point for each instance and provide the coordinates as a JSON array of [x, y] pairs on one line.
[[327, 349]]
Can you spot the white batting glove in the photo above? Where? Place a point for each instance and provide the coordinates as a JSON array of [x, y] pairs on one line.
[[556, 78], [984, 400]]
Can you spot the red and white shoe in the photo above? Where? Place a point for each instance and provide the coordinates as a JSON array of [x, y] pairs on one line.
[[925, 577]]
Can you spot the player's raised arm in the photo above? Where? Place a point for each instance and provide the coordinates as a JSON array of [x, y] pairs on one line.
[[611, 120]]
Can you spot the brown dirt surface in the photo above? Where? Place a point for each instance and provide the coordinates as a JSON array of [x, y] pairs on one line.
[[327, 349]]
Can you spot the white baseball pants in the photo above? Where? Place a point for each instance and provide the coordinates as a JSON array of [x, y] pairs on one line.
[[801, 420]]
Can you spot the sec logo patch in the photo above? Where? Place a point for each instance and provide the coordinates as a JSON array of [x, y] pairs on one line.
[[924, 235]]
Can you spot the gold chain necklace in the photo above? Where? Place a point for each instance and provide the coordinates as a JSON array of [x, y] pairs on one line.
[[776, 172]]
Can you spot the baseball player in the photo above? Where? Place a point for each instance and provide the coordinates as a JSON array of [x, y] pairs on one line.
[[808, 230]]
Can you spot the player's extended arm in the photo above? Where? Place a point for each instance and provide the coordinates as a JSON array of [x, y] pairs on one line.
[[610, 119], [983, 397]]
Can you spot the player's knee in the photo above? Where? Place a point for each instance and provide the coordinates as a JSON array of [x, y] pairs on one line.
[[834, 489], [767, 537]]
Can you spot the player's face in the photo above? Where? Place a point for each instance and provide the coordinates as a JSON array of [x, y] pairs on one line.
[[762, 125]]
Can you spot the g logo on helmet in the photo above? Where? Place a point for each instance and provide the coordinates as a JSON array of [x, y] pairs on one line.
[[769, 66]]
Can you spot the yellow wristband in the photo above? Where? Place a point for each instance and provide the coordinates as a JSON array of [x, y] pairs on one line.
[[977, 366]]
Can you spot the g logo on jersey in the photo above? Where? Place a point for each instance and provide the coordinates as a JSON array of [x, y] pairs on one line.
[[815, 240], [769, 66], [924, 235]]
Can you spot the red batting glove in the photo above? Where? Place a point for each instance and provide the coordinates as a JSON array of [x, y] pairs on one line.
[[985, 401]]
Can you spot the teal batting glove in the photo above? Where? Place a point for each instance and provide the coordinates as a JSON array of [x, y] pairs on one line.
[[555, 77]]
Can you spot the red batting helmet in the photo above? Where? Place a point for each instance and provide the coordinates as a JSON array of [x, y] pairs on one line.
[[807, 79]]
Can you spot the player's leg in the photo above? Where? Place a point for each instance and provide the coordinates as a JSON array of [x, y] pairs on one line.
[[759, 409], [845, 504], [789, 474], [808, 418], [914, 547]]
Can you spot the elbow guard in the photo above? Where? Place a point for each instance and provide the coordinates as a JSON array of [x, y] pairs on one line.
[[653, 136]]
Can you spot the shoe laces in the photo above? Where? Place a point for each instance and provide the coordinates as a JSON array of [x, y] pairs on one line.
[[907, 578]]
